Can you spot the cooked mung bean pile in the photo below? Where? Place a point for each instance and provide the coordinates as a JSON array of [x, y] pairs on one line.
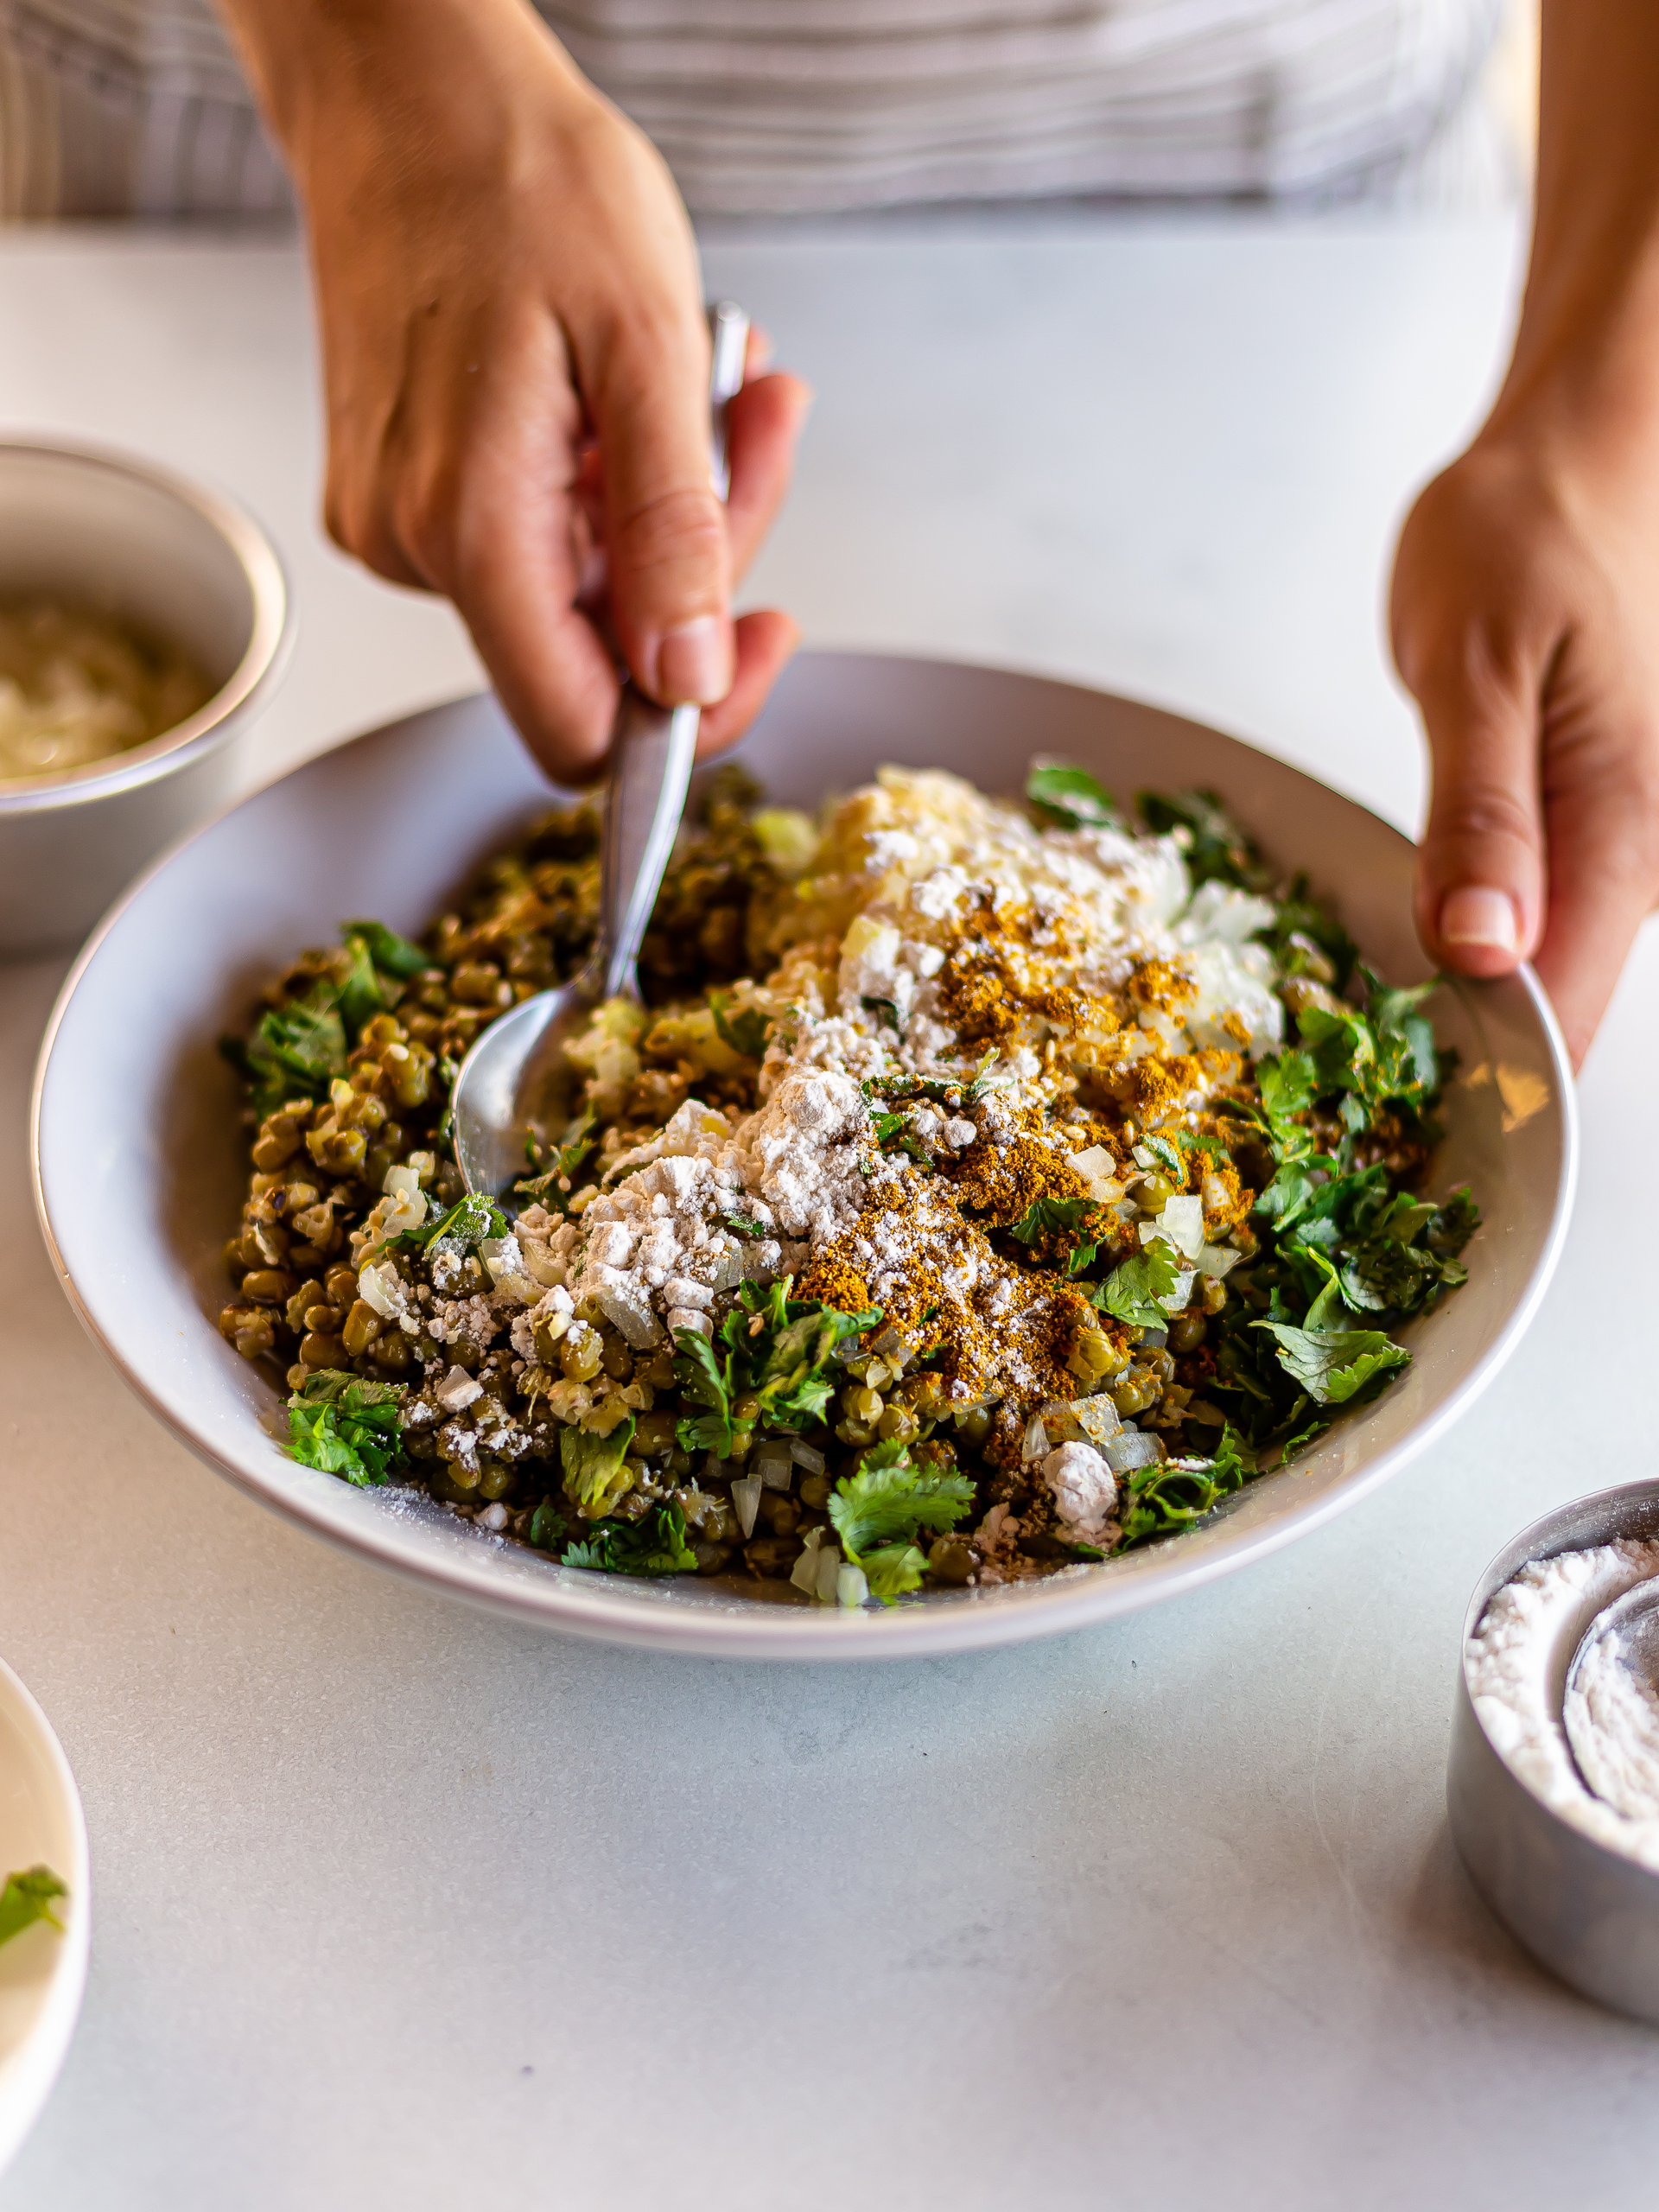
[[983, 1190]]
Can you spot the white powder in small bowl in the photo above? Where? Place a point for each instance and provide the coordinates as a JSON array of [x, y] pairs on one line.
[[1516, 1664]]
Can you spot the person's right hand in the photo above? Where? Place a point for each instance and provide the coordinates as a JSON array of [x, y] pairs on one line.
[[516, 363]]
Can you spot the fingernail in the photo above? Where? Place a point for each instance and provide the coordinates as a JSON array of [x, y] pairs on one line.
[[693, 663], [1476, 915]]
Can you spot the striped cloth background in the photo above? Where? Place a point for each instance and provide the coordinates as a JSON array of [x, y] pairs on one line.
[[783, 106]]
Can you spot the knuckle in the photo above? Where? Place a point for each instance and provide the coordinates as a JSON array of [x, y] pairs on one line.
[[678, 528], [1482, 814]]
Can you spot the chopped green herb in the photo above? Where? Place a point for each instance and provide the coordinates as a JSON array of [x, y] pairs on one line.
[[596, 1472], [745, 1031], [347, 1426], [27, 1898], [1134, 1292], [391, 954], [653, 1545], [1070, 798], [888, 1501]]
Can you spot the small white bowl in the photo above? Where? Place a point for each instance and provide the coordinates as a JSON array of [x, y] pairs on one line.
[[98, 530], [42, 1973], [141, 1162]]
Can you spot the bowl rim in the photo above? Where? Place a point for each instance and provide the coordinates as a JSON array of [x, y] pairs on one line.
[[269, 640], [1056, 1606]]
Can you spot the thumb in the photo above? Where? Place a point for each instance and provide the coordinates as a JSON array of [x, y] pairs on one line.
[[665, 530], [1480, 870]]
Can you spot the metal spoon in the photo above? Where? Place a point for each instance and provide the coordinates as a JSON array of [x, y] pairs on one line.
[[515, 1082], [1630, 1624]]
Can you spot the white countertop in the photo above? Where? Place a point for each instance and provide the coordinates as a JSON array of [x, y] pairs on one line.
[[399, 1907]]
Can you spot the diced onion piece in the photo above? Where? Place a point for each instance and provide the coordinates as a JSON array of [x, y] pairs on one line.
[[1098, 1418], [1035, 1445], [804, 1456], [381, 1288], [401, 1182], [1182, 1221], [828, 1569], [745, 1497], [1099, 1171], [774, 1465], [1218, 1260], [1179, 1298], [804, 1573], [852, 1587], [629, 1315], [1131, 1449]]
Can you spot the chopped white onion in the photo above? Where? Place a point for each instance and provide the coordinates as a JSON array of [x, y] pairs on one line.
[[804, 1456], [804, 1573], [774, 1465], [1098, 1418], [381, 1288], [1130, 1449], [401, 1182], [1218, 1260], [630, 1316], [1035, 1445], [745, 1497], [852, 1587], [1181, 1295], [829, 1570]]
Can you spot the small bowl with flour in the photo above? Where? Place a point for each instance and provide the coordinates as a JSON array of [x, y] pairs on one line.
[[1552, 1787]]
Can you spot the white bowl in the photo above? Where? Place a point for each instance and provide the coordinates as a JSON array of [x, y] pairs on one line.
[[140, 1168], [42, 1973], [132, 541]]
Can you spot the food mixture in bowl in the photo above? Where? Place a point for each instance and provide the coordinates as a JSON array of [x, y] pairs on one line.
[[76, 686], [985, 1188]]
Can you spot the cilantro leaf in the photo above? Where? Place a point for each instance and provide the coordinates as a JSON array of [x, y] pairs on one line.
[[746, 1030], [707, 1381], [470, 1221], [1218, 849], [296, 1051], [886, 1012], [344, 1425], [361, 996], [792, 1386], [1333, 1365], [1059, 1217], [1070, 796], [27, 1898], [547, 1526], [889, 1499], [393, 955], [654, 1545], [1162, 1499], [595, 1470], [552, 1187], [1133, 1293], [892, 1570], [1168, 1159]]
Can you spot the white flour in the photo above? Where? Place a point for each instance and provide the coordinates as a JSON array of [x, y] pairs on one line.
[[1516, 1664]]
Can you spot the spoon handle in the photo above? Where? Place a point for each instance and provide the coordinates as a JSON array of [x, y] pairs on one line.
[[652, 747]]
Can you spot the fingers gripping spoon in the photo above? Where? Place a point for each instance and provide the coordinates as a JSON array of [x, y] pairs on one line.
[[512, 1079]]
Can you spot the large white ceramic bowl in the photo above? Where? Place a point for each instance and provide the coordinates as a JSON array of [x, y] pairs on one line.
[[139, 1160]]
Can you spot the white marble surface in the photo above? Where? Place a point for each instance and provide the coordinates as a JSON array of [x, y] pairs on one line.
[[399, 1907]]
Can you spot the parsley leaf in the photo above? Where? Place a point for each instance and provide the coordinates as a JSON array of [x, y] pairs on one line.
[[1070, 796], [878, 1509], [595, 1470], [344, 1425], [653, 1545], [1218, 849], [1133, 1293], [1168, 1159], [470, 1221], [548, 1526], [746, 1030], [1163, 1499], [707, 1381], [28, 1897], [1046, 1218], [886, 1012], [1333, 1365], [552, 1187], [393, 955], [296, 1051]]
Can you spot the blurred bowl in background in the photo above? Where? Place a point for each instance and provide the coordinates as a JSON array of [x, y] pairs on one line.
[[127, 541]]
